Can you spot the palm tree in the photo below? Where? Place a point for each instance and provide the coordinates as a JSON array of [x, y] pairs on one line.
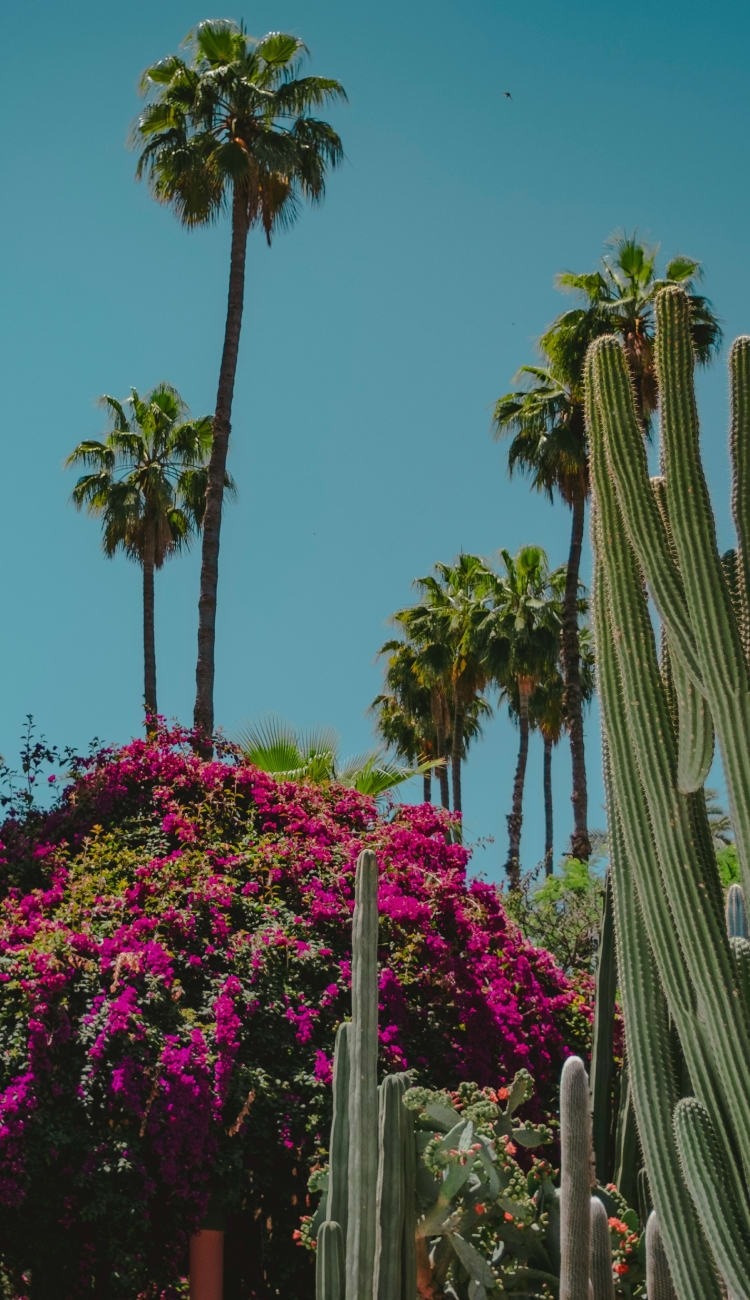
[[406, 713], [229, 127], [545, 420], [527, 615], [403, 712], [147, 482], [313, 758], [618, 298], [451, 629], [547, 716]]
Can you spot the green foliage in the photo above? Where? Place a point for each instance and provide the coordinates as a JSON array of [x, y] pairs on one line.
[[729, 867], [563, 914]]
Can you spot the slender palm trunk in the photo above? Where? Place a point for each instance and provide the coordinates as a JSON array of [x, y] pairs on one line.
[[203, 716], [548, 832], [457, 744], [427, 787], [438, 717], [149, 639], [515, 818], [580, 844]]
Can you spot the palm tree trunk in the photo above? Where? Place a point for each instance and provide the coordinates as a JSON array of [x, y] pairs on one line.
[[515, 818], [427, 787], [438, 717], [149, 640], [203, 717], [548, 842], [580, 844], [456, 750]]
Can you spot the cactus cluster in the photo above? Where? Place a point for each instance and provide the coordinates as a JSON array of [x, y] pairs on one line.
[[683, 965], [367, 1242]]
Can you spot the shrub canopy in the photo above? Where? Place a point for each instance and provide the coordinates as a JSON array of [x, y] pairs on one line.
[[174, 960]]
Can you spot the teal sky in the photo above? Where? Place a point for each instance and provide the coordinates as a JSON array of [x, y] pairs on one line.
[[377, 335]]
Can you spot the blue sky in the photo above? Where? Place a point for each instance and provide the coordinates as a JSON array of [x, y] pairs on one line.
[[377, 335]]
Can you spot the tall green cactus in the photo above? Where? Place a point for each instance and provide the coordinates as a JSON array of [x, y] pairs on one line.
[[366, 1246], [602, 1277], [658, 1281], [675, 960], [736, 915], [576, 1179]]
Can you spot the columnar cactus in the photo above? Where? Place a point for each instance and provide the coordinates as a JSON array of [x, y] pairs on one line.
[[736, 915], [366, 1246], [658, 1282], [602, 1277], [676, 962], [576, 1178]]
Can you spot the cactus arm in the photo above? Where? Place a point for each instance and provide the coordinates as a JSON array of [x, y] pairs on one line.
[[658, 1280], [363, 1091], [329, 1262], [652, 1076], [575, 1181], [687, 706], [338, 1192], [409, 1238], [390, 1188], [621, 446], [703, 1164], [602, 1061], [602, 1278], [650, 1065], [739, 450], [627, 1159], [736, 915]]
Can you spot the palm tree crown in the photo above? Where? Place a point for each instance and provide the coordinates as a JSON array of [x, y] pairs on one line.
[[233, 118]]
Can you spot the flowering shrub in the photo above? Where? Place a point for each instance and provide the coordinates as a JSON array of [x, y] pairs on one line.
[[174, 960]]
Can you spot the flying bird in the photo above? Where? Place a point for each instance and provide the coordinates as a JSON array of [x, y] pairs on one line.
[[507, 94]]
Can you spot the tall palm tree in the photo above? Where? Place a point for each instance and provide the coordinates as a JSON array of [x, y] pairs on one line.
[[147, 483], [545, 420], [547, 427], [527, 615], [229, 127], [451, 630], [547, 716]]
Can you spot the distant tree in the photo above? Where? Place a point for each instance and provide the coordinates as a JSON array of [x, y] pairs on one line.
[[527, 616], [451, 630], [229, 127], [147, 482]]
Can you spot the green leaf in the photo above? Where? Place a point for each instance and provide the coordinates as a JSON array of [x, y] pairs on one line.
[[477, 1267]]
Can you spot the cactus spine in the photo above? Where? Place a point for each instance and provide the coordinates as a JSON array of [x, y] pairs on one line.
[[675, 960], [366, 1246]]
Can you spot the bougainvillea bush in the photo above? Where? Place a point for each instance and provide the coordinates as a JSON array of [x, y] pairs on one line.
[[174, 960]]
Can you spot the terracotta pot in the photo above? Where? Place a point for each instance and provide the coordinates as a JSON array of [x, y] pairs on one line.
[[207, 1265]]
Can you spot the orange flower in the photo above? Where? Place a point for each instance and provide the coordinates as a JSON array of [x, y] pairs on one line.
[[508, 1216], [502, 1094], [479, 1208], [621, 1269]]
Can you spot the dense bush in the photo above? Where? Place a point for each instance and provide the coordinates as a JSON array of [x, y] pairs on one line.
[[174, 958]]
